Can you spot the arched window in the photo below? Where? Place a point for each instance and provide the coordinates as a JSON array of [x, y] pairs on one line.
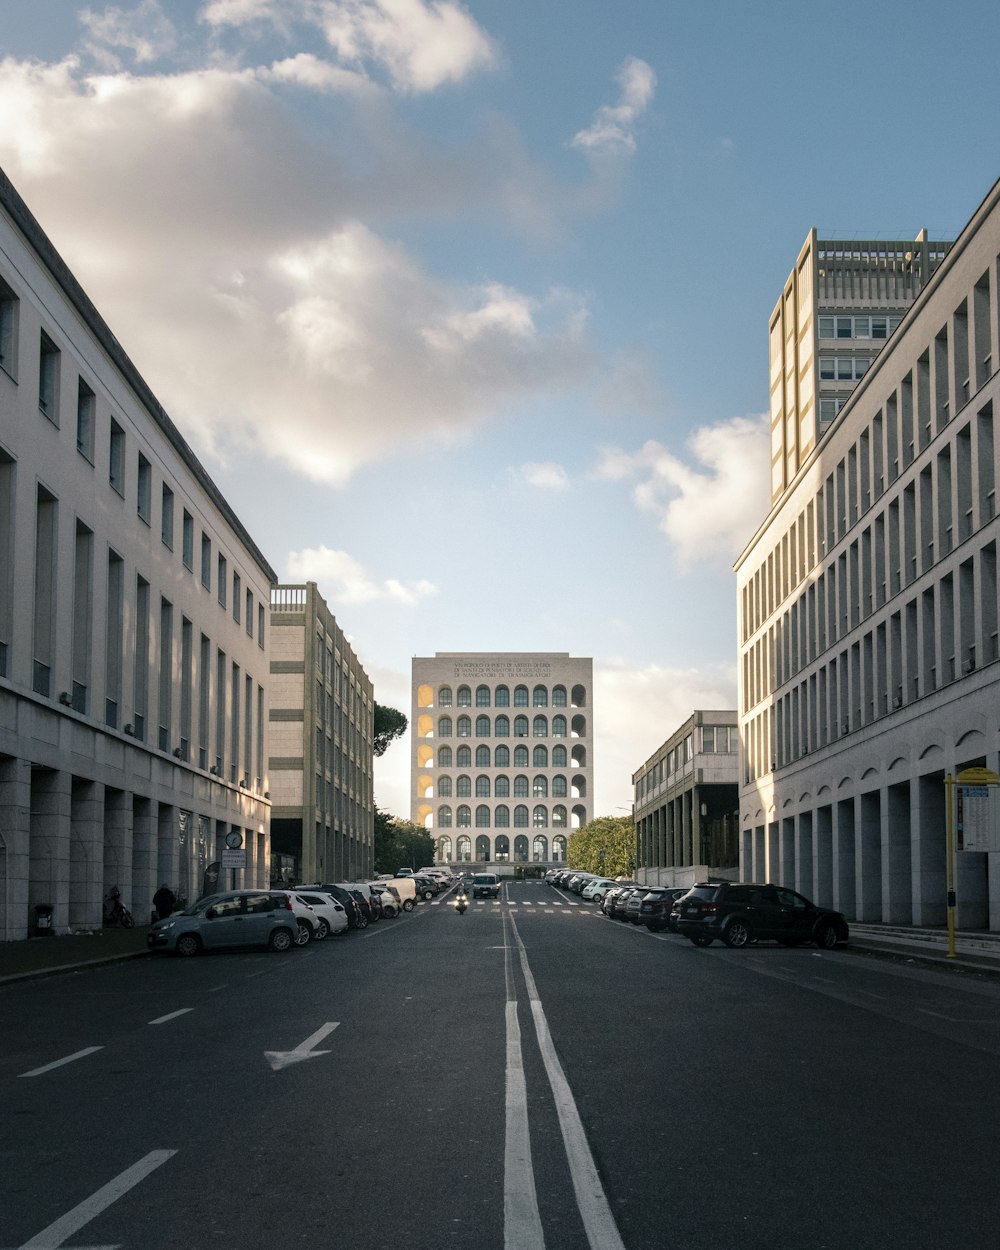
[[521, 849], [578, 726], [520, 696], [539, 697], [520, 757], [540, 817], [464, 848], [444, 726], [444, 817], [579, 787], [482, 787], [540, 848], [579, 757], [502, 697], [501, 816], [579, 696], [540, 757], [501, 757], [559, 726], [503, 726], [463, 757], [444, 850], [578, 816], [540, 727], [444, 757], [482, 726], [464, 786], [501, 786], [482, 848], [482, 816], [444, 696], [558, 757], [464, 697], [520, 726], [482, 757], [558, 696], [520, 817], [559, 790], [503, 847], [463, 727], [540, 787], [482, 696], [464, 820], [520, 787], [444, 787], [558, 846], [558, 822]]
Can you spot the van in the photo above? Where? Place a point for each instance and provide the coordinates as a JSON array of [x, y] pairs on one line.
[[486, 884]]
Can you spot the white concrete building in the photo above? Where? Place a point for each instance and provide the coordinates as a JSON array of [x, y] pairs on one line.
[[502, 754], [868, 617], [133, 621]]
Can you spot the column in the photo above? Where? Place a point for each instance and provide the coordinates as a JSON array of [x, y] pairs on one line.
[[86, 854], [15, 842], [51, 801]]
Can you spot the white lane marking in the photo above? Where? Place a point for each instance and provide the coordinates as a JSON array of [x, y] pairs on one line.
[[598, 1222], [522, 1224], [80, 1054], [282, 1058], [172, 1016], [52, 1237]]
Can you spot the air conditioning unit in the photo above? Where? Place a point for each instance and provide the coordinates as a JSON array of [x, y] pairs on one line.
[[243, 784], [129, 730], [897, 701], [214, 771], [64, 698], [177, 753]]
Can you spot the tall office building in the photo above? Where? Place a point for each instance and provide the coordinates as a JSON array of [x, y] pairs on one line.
[[502, 754], [321, 744], [868, 618], [839, 306], [133, 622]]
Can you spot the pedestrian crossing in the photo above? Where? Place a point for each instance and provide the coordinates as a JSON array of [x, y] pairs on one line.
[[516, 904]]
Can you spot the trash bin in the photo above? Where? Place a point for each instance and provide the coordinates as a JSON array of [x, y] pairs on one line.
[[43, 920]]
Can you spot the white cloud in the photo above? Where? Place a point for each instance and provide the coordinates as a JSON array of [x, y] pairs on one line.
[[145, 31], [342, 580], [613, 129], [709, 505], [547, 476]]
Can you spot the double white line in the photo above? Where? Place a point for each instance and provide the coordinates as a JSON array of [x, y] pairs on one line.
[[522, 1225]]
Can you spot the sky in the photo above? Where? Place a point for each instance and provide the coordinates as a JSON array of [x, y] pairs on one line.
[[464, 306]]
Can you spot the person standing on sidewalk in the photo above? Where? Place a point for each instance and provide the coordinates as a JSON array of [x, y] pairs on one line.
[[163, 901]]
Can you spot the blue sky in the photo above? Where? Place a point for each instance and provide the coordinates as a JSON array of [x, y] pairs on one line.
[[464, 306]]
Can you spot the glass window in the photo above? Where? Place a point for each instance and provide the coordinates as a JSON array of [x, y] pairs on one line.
[[827, 368], [482, 816], [540, 817], [463, 757], [444, 817], [86, 407], [444, 787], [520, 816], [520, 726], [8, 330], [167, 516], [501, 787], [482, 696], [559, 790], [540, 757], [482, 726], [520, 696], [540, 697], [444, 696], [502, 697], [464, 697], [539, 848], [845, 327], [116, 458], [540, 727], [708, 738], [503, 726], [862, 328], [826, 328], [558, 728], [558, 821], [444, 757], [464, 786], [559, 757], [845, 369], [464, 817], [143, 490], [444, 726], [880, 328], [482, 757], [463, 727], [501, 816], [540, 787], [520, 786], [558, 699], [48, 378], [520, 757], [501, 757], [482, 787]]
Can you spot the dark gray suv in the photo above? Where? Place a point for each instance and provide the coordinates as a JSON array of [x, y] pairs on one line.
[[740, 912]]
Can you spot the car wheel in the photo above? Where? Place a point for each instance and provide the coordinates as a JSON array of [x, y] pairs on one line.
[[322, 930], [280, 940], [362, 922], [700, 939], [408, 904], [188, 944], [427, 894], [304, 934], [737, 934], [826, 936]]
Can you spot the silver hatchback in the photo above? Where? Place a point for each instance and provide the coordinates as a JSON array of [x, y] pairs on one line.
[[239, 918]]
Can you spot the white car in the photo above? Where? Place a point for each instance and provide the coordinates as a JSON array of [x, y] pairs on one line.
[[331, 916], [388, 900], [595, 890], [308, 921]]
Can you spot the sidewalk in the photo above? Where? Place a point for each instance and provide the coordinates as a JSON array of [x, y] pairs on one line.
[[45, 956], [975, 950]]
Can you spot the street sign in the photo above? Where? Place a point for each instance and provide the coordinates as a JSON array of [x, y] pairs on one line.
[[234, 859], [978, 814]]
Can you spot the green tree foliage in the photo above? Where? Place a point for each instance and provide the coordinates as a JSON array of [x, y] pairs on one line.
[[612, 835], [400, 844], [389, 725]]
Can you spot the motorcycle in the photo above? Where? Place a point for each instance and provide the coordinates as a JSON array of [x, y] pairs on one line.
[[115, 911], [461, 903]]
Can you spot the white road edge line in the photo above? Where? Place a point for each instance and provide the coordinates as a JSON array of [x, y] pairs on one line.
[[80, 1054], [598, 1222], [172, 1016], [522, 1225], [52, 1237]]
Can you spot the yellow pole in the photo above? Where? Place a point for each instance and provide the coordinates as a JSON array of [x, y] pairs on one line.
[[950, 793]]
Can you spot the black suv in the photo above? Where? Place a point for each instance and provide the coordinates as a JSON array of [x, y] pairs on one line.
[[738, 913]]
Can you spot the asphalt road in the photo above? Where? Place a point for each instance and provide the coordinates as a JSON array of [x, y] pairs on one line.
[[530, 1075]]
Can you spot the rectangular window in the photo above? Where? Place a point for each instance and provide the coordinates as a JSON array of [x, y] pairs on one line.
[[187, 685], [234, 725], [83, 614], [845, 327], [8, 330], [116, 458], [187, 539], [204, 671], [114, 624], [143, 488], [6, 557], [220, 710], [48, 378], [167, 517], [221, 580], [86, 406], [44, 622], [880, 328], [237, 596], [166, 684], [248, 616], [206, 562], [260, 737], [260, 625], [826, 328]]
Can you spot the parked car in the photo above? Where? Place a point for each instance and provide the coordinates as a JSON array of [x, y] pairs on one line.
[[356, 917], [387, 901], [427, 887], [740, 912], [656, 907], [617, 901], [236, 918], [593, 891], [485, 885], [331, 913], [406, 888]]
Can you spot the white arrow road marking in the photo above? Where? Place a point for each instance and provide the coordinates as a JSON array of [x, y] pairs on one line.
[[282, 1058], [52, 1237], [80, 1054]]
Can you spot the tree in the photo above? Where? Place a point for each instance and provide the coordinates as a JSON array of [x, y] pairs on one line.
[[389, 725], [400, 843], [605, 845]]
